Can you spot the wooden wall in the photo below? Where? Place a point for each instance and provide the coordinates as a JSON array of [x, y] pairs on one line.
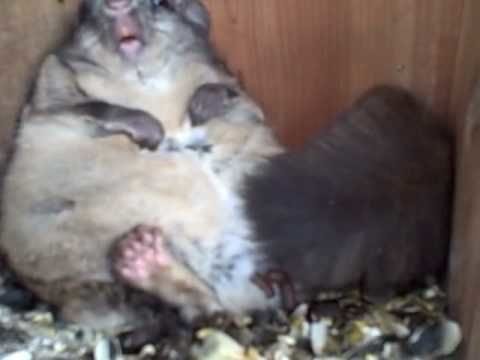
[[304, 60], [465, 256], [27, 29]]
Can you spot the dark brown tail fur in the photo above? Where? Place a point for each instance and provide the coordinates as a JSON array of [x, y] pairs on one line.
[[368, 202]]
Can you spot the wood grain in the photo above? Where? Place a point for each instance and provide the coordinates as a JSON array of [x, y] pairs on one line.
[[467, 68], [464, 282], [303, 60], [28, 28], [306, 60]]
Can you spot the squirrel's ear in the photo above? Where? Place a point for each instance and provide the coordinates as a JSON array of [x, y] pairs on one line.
[[194, 12]]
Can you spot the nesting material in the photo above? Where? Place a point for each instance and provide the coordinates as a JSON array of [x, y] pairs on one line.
[[335, 326], [346, 326]]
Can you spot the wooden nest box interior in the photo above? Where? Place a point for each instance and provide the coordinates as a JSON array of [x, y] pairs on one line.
[[306, 60]]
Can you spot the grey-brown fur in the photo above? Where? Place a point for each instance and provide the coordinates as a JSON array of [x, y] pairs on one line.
[[366, 204], [210, 101], [88, 191], [69, 193], [139, 126]]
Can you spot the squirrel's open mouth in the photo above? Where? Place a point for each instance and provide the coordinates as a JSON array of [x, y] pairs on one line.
[[128, 35]]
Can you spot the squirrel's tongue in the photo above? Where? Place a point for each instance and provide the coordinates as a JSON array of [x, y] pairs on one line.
[[128, 35]]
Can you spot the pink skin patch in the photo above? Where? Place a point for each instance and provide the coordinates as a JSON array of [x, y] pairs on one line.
[[128, 34], [273, 279], [140, 254]]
